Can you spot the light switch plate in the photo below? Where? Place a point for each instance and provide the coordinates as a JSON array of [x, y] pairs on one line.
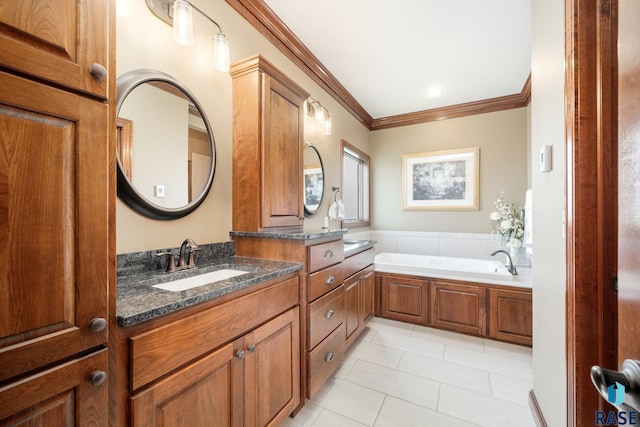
[[545, 158]]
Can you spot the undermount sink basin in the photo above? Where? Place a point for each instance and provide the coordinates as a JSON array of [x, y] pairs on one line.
[[199, 280]]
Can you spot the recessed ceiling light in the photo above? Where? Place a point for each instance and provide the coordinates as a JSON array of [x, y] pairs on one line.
[[434, 91]]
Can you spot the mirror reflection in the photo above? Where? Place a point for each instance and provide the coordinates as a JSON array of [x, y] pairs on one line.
[[313, 180], [166, 155]]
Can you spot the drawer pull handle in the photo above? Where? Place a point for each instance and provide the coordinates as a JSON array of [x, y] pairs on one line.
[[330, 280], [330, 314], [251, 348], [328, 254], [329, 358], [97, 378], [240, 354], [98, 324]]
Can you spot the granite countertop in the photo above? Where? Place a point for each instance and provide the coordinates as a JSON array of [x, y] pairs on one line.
[[137, 300], [290, 235], [352, 247]]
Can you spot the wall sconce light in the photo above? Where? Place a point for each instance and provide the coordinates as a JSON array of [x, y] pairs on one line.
[[321, 114], [179, 14]]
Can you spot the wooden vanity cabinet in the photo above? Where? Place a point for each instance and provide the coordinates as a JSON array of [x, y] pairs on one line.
[[56, 209], [58, 41], [234, 361], [251, 382], [268, 126], [359, 298]]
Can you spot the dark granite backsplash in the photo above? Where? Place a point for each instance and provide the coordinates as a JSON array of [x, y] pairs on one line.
[[147, 261]]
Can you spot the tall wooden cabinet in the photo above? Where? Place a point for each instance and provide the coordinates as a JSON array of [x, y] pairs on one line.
[[54, 211], [267, 148]]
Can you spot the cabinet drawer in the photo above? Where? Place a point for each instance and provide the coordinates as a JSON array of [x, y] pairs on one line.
[[324, 281], [325, 315], [166, 348], [324, 359], [325, 254], [357, 262]]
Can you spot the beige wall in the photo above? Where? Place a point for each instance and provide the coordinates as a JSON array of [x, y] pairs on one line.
[[143, 41], [549, 255], [502, 138]]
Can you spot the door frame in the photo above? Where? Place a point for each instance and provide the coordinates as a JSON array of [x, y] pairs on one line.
[[591, 205]]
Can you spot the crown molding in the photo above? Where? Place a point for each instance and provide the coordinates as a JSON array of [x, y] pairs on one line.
[[508, 102], [261, 17]]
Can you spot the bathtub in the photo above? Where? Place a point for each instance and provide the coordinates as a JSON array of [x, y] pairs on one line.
[[476, 270]]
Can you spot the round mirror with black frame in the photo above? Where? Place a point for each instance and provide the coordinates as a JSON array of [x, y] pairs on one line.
[[165, 147], [313, 172]]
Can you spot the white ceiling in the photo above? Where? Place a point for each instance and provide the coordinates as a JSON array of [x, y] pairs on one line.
[[388, 53]]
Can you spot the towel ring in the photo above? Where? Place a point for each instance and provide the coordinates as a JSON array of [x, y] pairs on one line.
[[336, 193]]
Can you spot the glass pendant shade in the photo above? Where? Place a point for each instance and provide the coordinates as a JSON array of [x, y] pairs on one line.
[[320, 116], [182, 22], [221, 52], [327, 125]]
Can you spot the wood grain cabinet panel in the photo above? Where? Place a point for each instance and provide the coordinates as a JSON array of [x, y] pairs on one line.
[[272, 371], [510, 316], [404, 298], [57, 40], [458, 307], [253, 381], [60, 396], [268, 131], [207, 392], [325, 314], [54, 175]]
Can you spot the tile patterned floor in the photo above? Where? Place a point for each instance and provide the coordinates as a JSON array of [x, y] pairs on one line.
[[402, 375]]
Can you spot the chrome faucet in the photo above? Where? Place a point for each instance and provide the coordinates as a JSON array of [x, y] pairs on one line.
[[512, 268], [183, 263]]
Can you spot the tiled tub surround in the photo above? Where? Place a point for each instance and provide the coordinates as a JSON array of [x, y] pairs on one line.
[[460, 245], [137, 300]]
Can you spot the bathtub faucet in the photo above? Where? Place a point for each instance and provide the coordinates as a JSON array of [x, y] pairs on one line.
[[512, 268]]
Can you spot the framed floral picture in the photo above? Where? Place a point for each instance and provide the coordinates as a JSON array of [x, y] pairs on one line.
[[441, 180]]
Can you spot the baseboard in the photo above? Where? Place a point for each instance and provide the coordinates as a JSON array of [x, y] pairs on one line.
[[538, 417]]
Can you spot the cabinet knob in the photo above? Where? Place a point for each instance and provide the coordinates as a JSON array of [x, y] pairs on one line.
[[240, 354], [330, 280], [97, 378], [329, 358], [97, 71], [328, 254], [330, 314], [98, 324], [251, 348]]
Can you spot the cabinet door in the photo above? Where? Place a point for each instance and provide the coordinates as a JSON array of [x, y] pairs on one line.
[[368, 294], [57, 40], [205, 393], [54, 246], [458, 307], [510, 316], [352, 303], [405, 299], [272, 371], [282, 157], [62, 396]]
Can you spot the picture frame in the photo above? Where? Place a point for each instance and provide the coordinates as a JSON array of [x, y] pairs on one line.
[[441, 180]]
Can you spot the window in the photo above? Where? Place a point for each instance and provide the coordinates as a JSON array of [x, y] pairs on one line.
[[355, 186]]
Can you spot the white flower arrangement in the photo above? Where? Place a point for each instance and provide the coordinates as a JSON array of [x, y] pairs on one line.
[[509, 221]]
